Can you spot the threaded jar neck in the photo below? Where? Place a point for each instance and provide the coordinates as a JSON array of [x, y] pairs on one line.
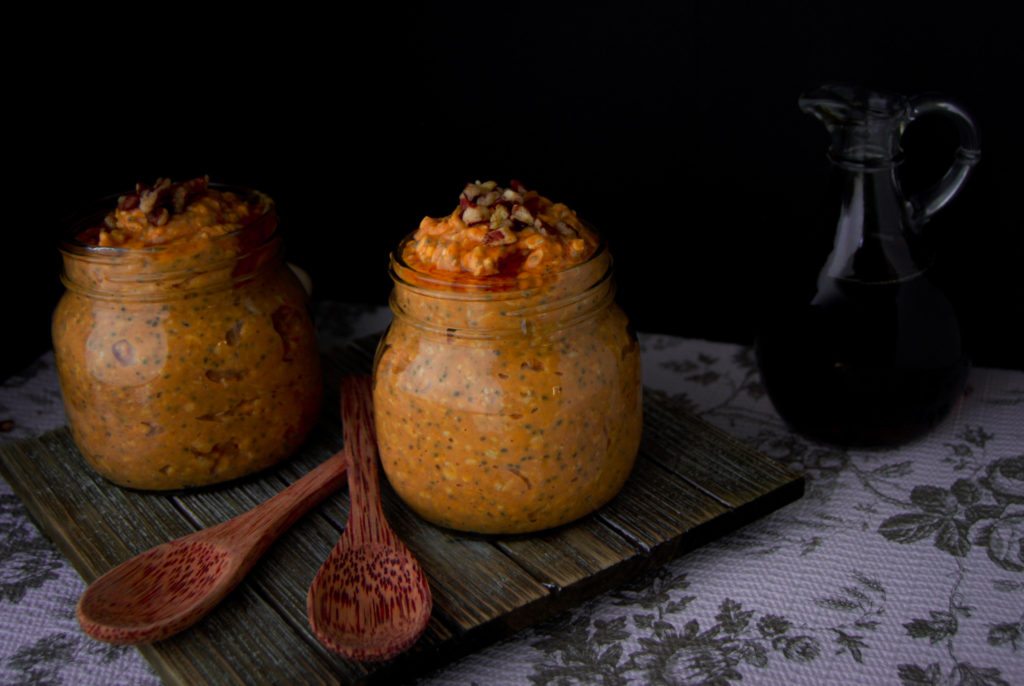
[[494, 306]]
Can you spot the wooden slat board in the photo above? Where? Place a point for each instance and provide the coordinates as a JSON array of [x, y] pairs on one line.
[[692, 483]]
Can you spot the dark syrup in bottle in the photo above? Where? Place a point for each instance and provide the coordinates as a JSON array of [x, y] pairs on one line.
[[867, 351], [864, 363]]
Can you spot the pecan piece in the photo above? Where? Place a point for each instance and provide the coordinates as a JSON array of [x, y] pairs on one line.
[[159, 216], [150, 198], [488, 198], [163, 197], [499, 216], [186, 191], [500, 236], [472, 216], [511, 196], [128, 202], [522, 214]]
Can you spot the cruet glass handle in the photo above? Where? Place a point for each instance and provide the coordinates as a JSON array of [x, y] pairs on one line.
[[930, 201]]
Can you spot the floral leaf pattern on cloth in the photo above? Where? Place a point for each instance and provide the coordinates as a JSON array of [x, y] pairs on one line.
[[30, 567], [48, 659], [676, 648], [982, 509], [27, 560]]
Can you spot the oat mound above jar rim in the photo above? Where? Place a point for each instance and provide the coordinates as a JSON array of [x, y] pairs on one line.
[[500, 231], [169, 212]]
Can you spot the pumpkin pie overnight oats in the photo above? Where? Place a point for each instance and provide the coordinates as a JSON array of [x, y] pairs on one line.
[[184, 345], [507, 389]]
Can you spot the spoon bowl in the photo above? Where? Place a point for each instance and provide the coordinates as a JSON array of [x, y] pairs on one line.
[[161, 592], [169, 588], [370, 600]]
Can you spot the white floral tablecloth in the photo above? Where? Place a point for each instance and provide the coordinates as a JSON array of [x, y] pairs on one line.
[[898, 566]]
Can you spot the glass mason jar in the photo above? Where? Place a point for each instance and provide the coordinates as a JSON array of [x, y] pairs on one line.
[[189, 365], [504, 404]]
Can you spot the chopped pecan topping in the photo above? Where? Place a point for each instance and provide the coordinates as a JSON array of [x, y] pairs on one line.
[[151, 197], [503, 230], [480, 202], [168, 212], [162, 199], [487, 199], [522, 213], [469, 193], [159, 216], [128, 202], [499, 217], [473, 215], [185, 191]]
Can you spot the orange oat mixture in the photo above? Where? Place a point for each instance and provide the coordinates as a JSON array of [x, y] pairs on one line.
[[507, 389], [184, 347]]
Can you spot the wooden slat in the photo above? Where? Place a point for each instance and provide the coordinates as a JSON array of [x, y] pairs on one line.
[[569, 555], [691, 484], [711, 459], [658, 506]]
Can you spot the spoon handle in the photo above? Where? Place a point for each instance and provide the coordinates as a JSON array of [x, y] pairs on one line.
[[366, 513], [252, 533]]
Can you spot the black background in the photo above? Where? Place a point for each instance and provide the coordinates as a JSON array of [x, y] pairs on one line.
[[673, 128]]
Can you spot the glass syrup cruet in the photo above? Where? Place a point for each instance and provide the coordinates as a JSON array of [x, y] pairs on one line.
[[869, 351]]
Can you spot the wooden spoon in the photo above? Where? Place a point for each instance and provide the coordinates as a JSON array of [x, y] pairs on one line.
[[370, 600], [170, 587]]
